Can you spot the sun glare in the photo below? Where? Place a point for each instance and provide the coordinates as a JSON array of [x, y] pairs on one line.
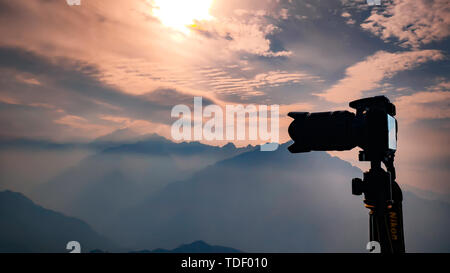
[[179, 14]]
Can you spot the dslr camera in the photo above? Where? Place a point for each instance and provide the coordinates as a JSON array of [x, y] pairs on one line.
[[372, 128]]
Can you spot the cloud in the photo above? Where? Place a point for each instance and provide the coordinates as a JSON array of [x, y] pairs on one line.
[[251, 86], [431, 104], [27, 79], [118, 61], [284, 14], [138, 126], [350, 21], [81, 124], [367, 75], [132, 52], [70, 101], [346, 14], [412, 22], [245, 36]]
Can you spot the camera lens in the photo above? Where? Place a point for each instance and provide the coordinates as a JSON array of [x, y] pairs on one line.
[[323, 131]]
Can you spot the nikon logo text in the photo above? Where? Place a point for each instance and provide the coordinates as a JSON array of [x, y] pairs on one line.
[[213, 127]]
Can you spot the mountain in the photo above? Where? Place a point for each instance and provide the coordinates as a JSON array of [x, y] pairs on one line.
[[427, 224], [125, 135], [27, 227], [273, 202], [429, 195], [123, 174], [158, 194], [256, 201], [194, 247]]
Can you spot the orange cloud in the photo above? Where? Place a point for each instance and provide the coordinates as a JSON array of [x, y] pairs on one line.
[[131, 49], [425, 105], [28, 79], [367, 75], [412, 22], [81, 126], [140, 127]]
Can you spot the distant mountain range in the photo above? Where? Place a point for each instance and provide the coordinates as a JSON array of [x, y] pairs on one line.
[[256, 201], [121, 176], [27, 227], [273, 202], [156, 194]]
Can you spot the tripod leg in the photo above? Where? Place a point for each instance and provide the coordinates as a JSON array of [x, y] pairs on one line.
[[395, 227], [373, 231], [386, 228], [383, 197], [379, 230], [373, 234]]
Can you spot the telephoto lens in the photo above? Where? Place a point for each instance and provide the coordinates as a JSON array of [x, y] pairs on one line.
[[373, 128], [323, 131]]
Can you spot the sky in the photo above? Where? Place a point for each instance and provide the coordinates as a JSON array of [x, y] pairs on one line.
[[76, 73]]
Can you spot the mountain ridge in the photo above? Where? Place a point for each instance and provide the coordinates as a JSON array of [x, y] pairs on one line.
[[28, 227], [273, 202]]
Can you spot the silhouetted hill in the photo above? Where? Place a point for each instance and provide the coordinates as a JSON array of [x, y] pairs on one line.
[[27, 227], [274, 202], [256, 201], [194, 247], [159, 145], [158, 193], [121, 176]]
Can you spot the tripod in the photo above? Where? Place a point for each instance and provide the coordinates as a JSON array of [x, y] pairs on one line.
[[383, 197]]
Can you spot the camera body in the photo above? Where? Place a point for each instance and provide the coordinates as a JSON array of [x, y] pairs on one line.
[[372, 128]]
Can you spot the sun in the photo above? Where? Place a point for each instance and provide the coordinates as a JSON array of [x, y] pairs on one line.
[[180, 14]]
